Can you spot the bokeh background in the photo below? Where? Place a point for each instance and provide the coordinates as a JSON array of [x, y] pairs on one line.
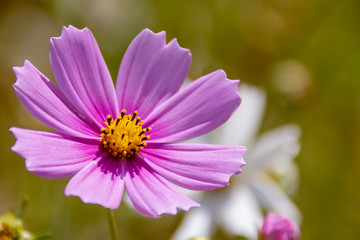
[[304, 53]]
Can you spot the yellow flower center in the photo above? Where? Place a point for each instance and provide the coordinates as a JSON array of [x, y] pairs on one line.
[[124, 136]]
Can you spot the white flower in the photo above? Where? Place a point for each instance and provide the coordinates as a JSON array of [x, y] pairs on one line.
[[238, 208]]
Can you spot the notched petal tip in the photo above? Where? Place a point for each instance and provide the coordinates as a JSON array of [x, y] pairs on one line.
[[68, 30], [100, 182], [234, 82], [221, 75], [162, 37], [183, 208], [72, 27], [18, 69], [14, 147], [176, 43], [242, 151], [173, 211], [87, 200], [195, 204], [148, 31], [15, 68]]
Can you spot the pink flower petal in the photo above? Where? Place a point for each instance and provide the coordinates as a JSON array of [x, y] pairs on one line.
[[150, 72], [53, 155], [195, 166], [244, 124], [197, 109], [100, 182], [45, 102], [150, 193], [82, 74]]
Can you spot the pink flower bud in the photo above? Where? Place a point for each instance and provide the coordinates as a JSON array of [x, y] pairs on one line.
[[277, 227]]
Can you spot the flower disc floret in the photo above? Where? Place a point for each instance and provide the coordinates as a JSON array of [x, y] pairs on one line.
[[124, 136]]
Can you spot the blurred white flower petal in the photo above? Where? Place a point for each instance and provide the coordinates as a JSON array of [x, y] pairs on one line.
[[241, 215], [274, 151], [288, 176], [274, 199], [198, 222], [275, 147]]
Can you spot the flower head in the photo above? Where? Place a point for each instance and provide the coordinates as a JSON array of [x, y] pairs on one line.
[[6, 233], [12, 227], [110, 139], [277, 227]]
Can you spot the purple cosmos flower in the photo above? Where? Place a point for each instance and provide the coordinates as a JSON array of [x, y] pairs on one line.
[[110, 138], [278, 227]]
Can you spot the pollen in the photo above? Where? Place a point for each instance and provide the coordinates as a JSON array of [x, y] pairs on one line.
[[124, 136]]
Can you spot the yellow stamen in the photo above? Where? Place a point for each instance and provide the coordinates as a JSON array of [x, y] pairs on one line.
[[124, 136]]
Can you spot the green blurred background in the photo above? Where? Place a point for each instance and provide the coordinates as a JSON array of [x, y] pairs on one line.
[[304, 53]]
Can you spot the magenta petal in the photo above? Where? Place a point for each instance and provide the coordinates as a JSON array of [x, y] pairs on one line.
[[150, 72], [199, 108], [82, 74], [100, 182], [195, 166], [278, 227], [45, 102], [53, 155], [150, 193]]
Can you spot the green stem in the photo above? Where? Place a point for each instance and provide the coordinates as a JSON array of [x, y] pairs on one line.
[[112, 225]]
